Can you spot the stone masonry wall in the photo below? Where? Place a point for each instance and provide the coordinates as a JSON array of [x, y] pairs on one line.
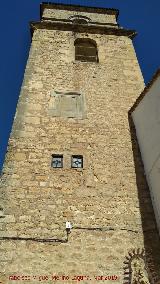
[[37, 199], [63, 14]]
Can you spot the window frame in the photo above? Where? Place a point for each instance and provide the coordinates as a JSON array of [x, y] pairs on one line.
[[78, 157], [57, 156], [81, 46]]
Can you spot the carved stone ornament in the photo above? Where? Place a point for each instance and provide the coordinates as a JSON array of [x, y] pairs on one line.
[[139, 269]]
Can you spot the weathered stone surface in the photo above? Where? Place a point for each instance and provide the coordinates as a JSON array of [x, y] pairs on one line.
[[110, 192], [7, 219]]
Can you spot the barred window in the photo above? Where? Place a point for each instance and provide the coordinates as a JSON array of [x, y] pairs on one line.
[[77, 161], [57, 161], [86, 50]]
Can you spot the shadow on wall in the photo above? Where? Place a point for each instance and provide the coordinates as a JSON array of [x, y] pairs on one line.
[[150, 231]]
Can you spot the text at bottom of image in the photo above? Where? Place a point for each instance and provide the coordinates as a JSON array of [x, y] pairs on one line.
[[64, 278]]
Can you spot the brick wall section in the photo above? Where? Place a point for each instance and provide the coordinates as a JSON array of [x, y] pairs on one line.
[[38, 199]]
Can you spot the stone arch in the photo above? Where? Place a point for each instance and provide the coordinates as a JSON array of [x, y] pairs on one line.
[[78, 19]]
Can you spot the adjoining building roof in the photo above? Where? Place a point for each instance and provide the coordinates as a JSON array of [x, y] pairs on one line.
[[100, 10], [145, 91]]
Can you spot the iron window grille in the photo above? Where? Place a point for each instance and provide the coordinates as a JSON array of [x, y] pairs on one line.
[[57, 161], [77, 161]]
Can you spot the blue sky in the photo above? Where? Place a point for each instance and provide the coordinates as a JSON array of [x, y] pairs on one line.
[[142, 16]]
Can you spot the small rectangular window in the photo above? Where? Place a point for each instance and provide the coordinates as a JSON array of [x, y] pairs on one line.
[[57, 161], [77, 161]]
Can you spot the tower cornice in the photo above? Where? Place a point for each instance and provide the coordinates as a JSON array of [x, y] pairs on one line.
[[95, 29]]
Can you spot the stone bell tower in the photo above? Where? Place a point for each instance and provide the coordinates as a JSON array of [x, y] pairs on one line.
[[73, 157]]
